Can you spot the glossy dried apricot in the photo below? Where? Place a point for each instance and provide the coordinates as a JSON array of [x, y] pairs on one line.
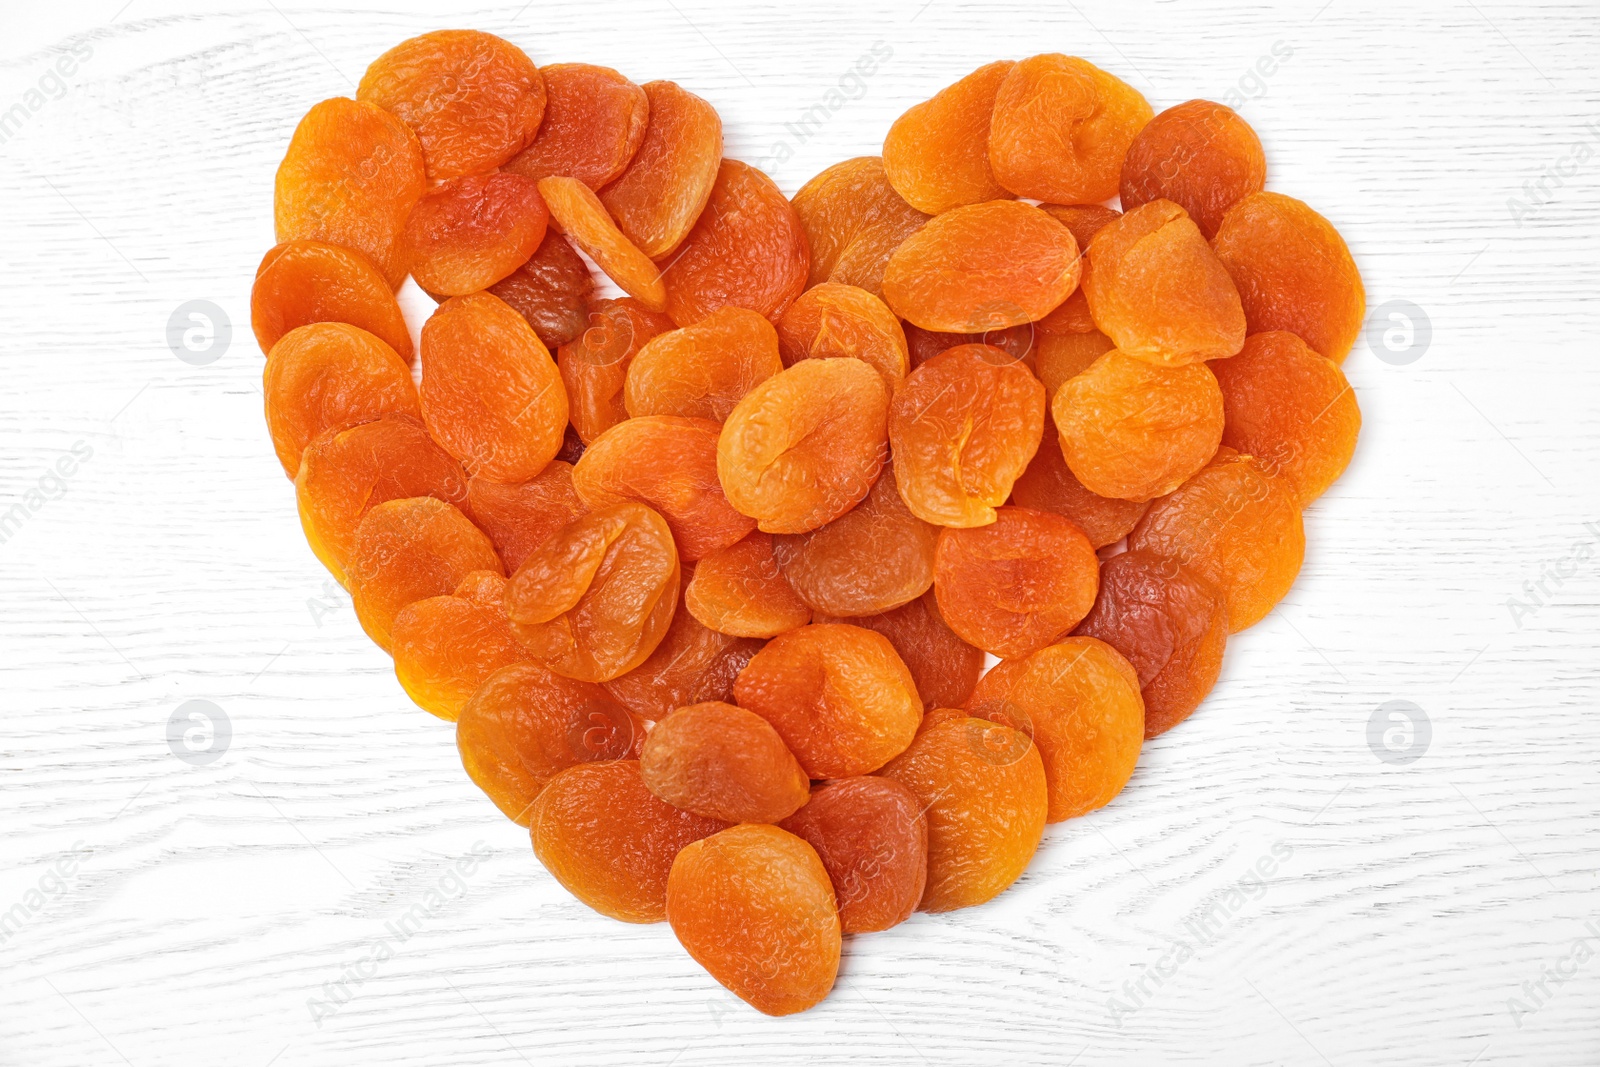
[[831, 321], [301, 282], [944, 667], [585, 221], [982, 267], [963, 427], [1155, 288], [1293, 272], [1134, 430], [445, 647], [937, 154], [349, 178], [468, 233], [746, 250], [521, 516], [1236, 526], [524, 725], [669, 463], [1061, 128], [1292, 409], [754, 907], [1049, 485], [741, 591], [327, 376], [853, 220], [1199, 155], [805, 446], [551, 289], [724, 763], [490, 392], [473, 99], [594, 367], [1169, 623], [982, 788], [871, 836], [838, 695], [610, 841], [1014, 586], [596, 599], [408, 550], [702, 371], [657, 199], [594, 122]]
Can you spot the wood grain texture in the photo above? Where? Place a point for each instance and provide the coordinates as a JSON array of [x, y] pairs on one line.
[[207, 909]]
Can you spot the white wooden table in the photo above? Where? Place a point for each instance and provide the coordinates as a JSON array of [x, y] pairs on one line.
[[332, 890]]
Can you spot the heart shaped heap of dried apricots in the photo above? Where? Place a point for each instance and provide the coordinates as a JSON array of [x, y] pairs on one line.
[[708, 593]]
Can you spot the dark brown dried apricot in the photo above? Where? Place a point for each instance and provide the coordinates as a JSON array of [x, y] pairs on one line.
[[831, 321], [853, 221], [702, 371], [871, 835], [1200, 155], [741, 591], [301, 282], [657, 199], [594, 122], [937, 154], [944, 667], [468, 233], [551, 289], [521, 516], [724, 763]]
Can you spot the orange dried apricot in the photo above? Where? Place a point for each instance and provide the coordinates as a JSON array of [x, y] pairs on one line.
[[1061, 356], [669, 463], [830, 321], [551, 289], [585, 221], [741, 591], [982, 789], [490, 393], [937, 154], [853, 221], [327, 376], [1015, 341], [596, 599], [1135, 430], [301, 282], [753, 906], [521, 516], [805, 446], [702, 371], [657, 199], [1049, 485], [610, 841], [838, 695], [963, 427], [871, 836], [1169, 623], [944, 667], [468, 233], [595, 365], [746, 250], [1084, 220], [1293, 272], [1199, 155], [1061, 128], [473, 99], [1236, 526], [594, 122], [445, 647], [724, 763], [982, 267]]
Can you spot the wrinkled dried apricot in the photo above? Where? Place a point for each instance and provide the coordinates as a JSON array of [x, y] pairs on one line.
[[594, 122], [657, 199], [982, 267], [838, 695], [490, 392], [1072, 315], [1018, 342], [551, 289], [521, 516], [746, 250], [871, 836], [1061, 128], [963, 427], [596, 599], [610, 841], [830, 321], [1134, 430], [1049, 485], [937, 154], [702, 371], [327, 376], [473, 99], [445, 647], [1235, 525], [349, 178], [1293, 272], [301, 282], [1061, 356], [1290, 408], [853, 221], [468, 233], [585, 221], [595, 365], [1199, 155], [805, 446], [754, 907], [741, 591], [724, 763], [982, 788], [669, 463], [944, 667], [1169, 623]]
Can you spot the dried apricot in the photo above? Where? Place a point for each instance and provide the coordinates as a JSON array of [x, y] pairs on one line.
[[596, 599], [830, 321], [805, 446], [853, 221], [657, 199], [473, 99], [724, 763], [702, 371], [838, 695], [490, 392], [871, 836], [937, 154], [521, 516], [551, 289], [963, 427], [1061, 128], [468, 233], [585, 221], [594, 122], [1061, 356], [1084, 220], [754, 907], [746, 250], [741, 591], [445, 647], [595, 365], [301, 282], [1134, 430], [1293, 272], [1049, 485], [1199, 155], [944, 667], [1015, 341]]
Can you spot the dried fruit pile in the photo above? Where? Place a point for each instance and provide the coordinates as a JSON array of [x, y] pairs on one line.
[[709, 592]]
